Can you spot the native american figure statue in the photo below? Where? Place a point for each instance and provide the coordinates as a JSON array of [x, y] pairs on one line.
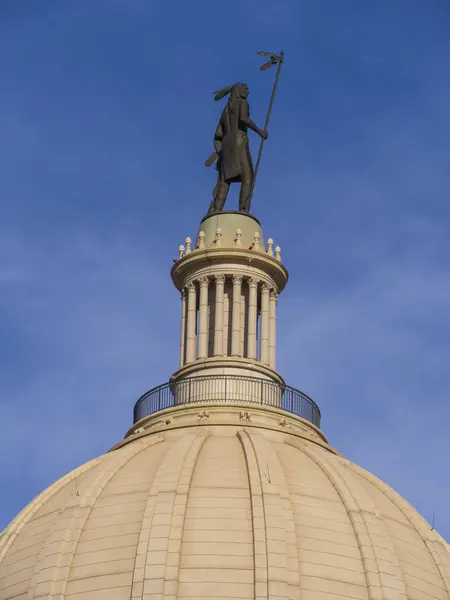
[[234, 162]]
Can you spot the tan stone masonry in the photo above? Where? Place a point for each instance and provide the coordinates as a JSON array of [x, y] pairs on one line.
[[244, 503]]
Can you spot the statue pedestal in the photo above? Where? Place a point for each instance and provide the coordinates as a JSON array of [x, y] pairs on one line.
[[230, 221]]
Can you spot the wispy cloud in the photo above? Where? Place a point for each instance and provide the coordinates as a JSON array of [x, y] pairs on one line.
[[87, 329], [374, 354]]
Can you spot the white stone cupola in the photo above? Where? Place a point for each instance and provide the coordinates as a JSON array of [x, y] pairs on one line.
[[229, 281]]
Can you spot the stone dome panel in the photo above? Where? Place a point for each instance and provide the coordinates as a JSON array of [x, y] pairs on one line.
[[220, 511]]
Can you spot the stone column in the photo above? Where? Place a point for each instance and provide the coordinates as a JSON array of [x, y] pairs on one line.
[[226, 339], [183, 328], [218, 323], [252, 318], [203, 319], [273, 298], [244, 332], [191, 322], [211, 321], [264, 351], [236, 317]]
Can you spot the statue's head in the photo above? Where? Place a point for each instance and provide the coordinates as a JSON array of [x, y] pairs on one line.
[[242, 89]]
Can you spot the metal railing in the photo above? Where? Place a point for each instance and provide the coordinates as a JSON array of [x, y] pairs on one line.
[[227, 388]]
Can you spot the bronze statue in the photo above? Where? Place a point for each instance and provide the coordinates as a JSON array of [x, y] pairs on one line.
[[234, 162]]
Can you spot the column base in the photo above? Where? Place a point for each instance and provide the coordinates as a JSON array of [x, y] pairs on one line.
[[227, 365], [227, 379]]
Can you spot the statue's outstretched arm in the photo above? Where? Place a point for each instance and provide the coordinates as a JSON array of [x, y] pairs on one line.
[[245, 118]]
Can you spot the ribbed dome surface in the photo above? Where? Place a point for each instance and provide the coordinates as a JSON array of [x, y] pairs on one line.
[[214, 511]]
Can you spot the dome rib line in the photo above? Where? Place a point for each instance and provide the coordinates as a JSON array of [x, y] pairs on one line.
[[15, 527], [144, 531], [376, 589], [443, 566], [259, 525], [56, 581], [292, 569], [181, 501], [284, 578], [171, 490]]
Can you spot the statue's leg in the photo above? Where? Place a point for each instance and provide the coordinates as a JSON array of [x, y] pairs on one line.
[[246, 179], [220, 191], [221, 195], [212, 207]]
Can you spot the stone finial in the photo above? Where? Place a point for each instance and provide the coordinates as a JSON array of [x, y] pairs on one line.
[[188, 245], [278, 253], [201, 240], [218, 240], [256, 238], [270, 247], [238, 240], [181, 250]]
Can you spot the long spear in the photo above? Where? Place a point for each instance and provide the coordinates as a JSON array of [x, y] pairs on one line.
[[274, 59]]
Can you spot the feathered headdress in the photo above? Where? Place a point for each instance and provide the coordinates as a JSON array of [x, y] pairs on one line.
[[230, 89], [223, 92]]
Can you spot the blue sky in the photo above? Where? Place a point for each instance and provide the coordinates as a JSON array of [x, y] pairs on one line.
[[106, 119]]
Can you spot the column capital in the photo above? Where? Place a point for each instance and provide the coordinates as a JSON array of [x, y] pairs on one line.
[[253, 282], [220, 279], [191, 287], [183, 293], [237, 279], [204, 281], [265, 287], [273, 295]]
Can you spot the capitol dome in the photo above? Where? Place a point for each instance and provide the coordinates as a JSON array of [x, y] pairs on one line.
[[225, 486], [226, 504]]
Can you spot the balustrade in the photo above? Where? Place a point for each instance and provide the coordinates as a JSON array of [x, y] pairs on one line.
[[223, 388]]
